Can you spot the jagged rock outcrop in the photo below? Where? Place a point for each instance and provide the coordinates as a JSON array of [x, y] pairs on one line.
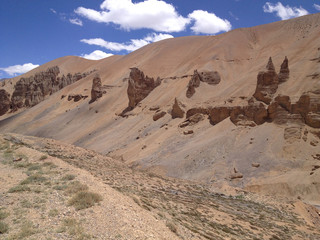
[[305, 111], [193, 83], [253, 114], [30, 91], [96, 90], [210, 77], [4, 101], [139, 87], [177, 109], [267, 84], [284, 71], [308, 107]]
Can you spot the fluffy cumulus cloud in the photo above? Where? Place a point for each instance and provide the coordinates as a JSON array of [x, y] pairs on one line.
[[96, 55], [19, 69], [208, 23], [284, 12], [76, 21], [151, 14], [316, 6], [132, 45]]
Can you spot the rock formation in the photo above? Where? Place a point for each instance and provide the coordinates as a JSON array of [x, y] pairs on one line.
[[96, 90], [267, 84], [139, 87], [284, 71], [305, 111], [193, 83], [30, 91], [4, 101], [177, 111], [210, 77]]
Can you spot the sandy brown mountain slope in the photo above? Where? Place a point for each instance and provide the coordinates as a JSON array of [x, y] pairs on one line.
[[288, 158]]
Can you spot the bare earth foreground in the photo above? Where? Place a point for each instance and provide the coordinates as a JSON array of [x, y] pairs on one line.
[[201, 137], [36, 192]]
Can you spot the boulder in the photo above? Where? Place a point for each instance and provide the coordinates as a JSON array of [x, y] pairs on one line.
[[188, 132], [210, 77], [158, 115], [256, 165], [76, 97], [4, 101], [177, 109], [236, 175], [139, 87]]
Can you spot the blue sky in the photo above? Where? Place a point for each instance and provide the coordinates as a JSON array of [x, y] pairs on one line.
[[33, 32]]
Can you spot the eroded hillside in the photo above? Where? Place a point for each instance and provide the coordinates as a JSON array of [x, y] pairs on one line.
[[205, 108]]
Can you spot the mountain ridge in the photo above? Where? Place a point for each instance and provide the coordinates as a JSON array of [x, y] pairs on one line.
[[211, 153]]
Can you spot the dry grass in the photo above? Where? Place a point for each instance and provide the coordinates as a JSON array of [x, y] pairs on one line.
[[4, 228], [19, 188], [68, 177], [84, 200], [75, 187], [35, 178]]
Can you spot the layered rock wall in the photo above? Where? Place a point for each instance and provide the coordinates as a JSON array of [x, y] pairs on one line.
[[30, 91]]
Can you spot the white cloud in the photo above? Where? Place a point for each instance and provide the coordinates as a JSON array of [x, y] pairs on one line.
[[53, 11], [316, 6], [234, 16], [96, 55], [152, 14], [76, 21], [130, 46], [284, 12], [208, 23], [19, 69]]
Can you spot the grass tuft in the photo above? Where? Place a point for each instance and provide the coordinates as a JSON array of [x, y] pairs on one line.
[[84, 200], [75, 187], [3, 227], [35, 178], [19, 188], [68, 177], [3, 214]]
